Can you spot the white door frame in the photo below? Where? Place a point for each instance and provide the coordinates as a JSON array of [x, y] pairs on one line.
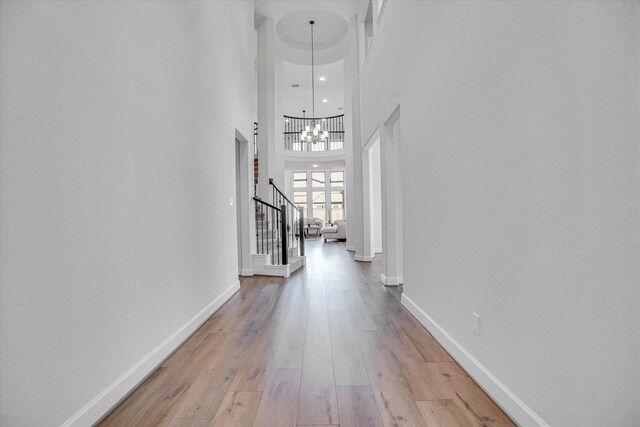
[[367, 201], [392, 227], [243, 204]]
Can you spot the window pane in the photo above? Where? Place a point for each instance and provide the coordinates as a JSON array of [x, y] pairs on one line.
[[300, 199], [337, 205], [299, 179], [337, 179], [319, 205], [318, 179]]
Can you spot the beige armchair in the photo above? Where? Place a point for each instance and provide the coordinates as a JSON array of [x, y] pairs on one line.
[[337, 231]]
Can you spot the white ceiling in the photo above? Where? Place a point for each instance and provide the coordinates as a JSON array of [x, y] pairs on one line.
[[329, 29], [276, 9], [294, 100], [291, 20]]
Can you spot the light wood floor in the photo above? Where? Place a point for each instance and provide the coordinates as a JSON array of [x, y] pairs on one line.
[[328, 346]]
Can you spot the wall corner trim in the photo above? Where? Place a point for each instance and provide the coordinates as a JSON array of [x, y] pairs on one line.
[[391, 281], [117, 391], [381, 11], [505, 398]]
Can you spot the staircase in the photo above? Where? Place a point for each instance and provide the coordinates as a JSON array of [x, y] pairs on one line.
[[279, 252], [279, 248]]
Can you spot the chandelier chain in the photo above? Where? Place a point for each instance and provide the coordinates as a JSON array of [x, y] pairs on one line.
[[314, 133], [313, 78]]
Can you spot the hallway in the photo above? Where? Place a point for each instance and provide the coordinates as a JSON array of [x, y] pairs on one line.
[[328, 346]]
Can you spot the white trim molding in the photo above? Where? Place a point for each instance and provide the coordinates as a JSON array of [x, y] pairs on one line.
[[246, 272], [367, 55], [375, 136], [351, 248], [363, 258], [391, 281], [505, 398], [262, 266], [381, 10], [111, 396]]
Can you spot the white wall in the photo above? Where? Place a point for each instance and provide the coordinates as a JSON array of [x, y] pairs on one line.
[[520, 129], [118, 126]]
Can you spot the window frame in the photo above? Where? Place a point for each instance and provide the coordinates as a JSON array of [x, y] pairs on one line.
[[327, 188]]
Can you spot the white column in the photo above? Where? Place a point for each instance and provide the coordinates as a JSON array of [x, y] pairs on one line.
[[353, 145], [276, 164], [266, 104], [270, 121], [349, 188]]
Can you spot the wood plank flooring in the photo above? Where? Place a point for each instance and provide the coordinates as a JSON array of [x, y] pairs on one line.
[[330, 346]]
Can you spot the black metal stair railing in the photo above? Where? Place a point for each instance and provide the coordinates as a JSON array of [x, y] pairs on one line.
[[294, 125], [271, 233], [294, 222], [255, 159]]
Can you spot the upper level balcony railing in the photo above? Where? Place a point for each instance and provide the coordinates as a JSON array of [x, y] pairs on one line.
[[294, 125]]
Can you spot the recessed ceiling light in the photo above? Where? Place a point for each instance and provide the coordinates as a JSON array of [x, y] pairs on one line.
[[325, 100], [322, 79], [315, 166]]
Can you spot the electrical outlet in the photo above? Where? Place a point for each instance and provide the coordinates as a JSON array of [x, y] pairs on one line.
[[475, 325]]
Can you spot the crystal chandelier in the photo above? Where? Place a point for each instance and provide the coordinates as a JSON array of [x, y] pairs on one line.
[[313, 133]]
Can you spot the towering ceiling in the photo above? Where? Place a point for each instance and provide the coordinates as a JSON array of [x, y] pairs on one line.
[[329, 29], [296, 99], [291, 21], [276, 9]]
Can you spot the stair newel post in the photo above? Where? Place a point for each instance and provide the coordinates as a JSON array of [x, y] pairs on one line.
[[301, 231], [283, 234]]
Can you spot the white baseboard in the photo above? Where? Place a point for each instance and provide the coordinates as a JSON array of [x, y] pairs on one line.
[[377, 250], [505, 398], [262, 266], [100, 405], [351, 248], [363, 258], [246, 272], [391, 281]]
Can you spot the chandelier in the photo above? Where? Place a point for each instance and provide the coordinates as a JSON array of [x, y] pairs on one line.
[[313, 133]]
